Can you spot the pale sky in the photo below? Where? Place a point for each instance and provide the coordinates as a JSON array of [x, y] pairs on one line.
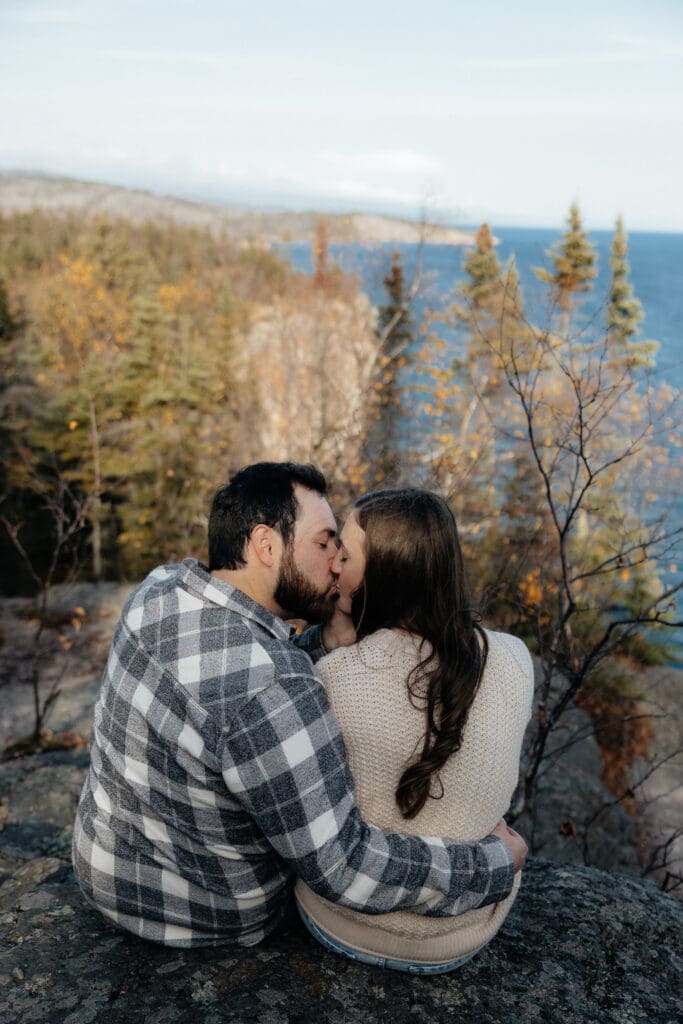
[[480, 110]]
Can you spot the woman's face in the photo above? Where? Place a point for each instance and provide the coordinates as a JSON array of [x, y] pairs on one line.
[[349, 562]]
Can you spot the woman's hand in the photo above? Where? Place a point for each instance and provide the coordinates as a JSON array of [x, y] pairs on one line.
[[339, 631]]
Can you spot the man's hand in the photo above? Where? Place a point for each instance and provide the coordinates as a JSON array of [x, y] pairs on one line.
[[514, 842], [339, 631]]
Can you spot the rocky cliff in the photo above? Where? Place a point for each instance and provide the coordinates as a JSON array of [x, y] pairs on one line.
[[579, 945]]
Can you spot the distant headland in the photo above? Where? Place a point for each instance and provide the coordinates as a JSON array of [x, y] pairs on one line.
[[23, 191]]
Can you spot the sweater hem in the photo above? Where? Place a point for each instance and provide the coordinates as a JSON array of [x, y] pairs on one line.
[[363, 933]]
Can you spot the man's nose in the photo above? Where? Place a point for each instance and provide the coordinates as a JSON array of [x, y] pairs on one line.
[[335, 565]]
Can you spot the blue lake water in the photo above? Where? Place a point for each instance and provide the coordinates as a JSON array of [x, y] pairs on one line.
[[656, 274], [656, 262]]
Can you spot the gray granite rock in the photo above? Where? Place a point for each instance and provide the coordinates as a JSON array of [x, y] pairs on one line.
[[570, 794], [579, 945]]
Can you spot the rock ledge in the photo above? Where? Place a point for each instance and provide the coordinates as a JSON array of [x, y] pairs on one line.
[[579, 945]]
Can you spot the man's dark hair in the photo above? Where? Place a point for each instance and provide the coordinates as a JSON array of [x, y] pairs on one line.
[[261, 493]]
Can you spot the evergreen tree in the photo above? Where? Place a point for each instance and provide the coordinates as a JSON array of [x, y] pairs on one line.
[[8, 323], [9, 328], [135, 371], [483, 270], [493, 311], [157, 389], [395, 325], [395, 334], [321, 253], [624, 312], [574, 263], [80, 330]]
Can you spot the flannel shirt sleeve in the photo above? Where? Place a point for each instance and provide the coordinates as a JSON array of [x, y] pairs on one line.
[[284, 759], [311, 641]]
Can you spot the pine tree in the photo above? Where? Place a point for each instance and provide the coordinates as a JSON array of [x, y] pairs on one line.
[[395, 324], [9, 328], [80, 329], [321, 253], [624, 312], [8, 323], [395, 334], [493, 310], [574, 263], [161, 385], [483, 270]]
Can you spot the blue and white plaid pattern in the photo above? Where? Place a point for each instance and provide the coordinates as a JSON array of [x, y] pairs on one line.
[[218, 773]]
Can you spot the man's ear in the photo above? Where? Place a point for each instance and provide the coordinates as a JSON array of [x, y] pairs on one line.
[[264, 541]]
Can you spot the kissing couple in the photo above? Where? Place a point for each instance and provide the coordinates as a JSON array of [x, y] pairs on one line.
[[355, 773]]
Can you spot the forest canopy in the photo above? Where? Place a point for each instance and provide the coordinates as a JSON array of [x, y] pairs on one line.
[[142, 364]]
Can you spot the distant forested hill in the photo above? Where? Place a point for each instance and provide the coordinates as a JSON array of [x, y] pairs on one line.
[[21, 193]]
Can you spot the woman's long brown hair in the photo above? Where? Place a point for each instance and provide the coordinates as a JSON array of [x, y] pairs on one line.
[[415, 580]]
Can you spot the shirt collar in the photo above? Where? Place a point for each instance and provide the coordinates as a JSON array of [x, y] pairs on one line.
[[195, 576]]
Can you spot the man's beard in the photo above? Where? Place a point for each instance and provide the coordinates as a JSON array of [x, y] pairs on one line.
[[298, 598]]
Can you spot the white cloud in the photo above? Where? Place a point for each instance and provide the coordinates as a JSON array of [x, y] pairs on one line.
[[384, 161], [363, 191]]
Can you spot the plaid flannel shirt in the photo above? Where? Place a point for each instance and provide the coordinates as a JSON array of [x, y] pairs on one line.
[[218, 773]]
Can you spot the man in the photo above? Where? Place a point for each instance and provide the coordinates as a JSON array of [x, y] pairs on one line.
[[217, 769]]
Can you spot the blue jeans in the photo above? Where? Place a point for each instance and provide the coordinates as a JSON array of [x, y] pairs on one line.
[[377, 961]]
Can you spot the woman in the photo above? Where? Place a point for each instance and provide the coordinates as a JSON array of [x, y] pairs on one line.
[[432, 709]]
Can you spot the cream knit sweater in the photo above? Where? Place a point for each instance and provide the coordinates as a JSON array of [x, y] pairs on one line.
[[367, 688]]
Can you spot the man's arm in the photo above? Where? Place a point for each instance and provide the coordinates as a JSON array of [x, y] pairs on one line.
[[311, 641], [284, 760]]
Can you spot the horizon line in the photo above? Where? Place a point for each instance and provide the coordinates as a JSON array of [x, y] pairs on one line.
[[294, 204]]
